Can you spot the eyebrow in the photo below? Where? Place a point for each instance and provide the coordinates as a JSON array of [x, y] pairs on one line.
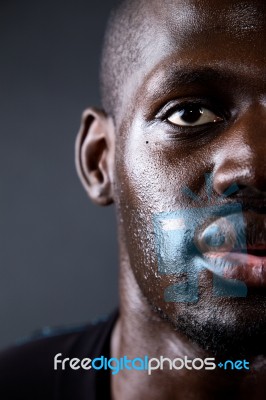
[[183, 75]]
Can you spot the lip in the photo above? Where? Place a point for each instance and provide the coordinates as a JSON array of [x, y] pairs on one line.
[[244, 255], [247, 267]]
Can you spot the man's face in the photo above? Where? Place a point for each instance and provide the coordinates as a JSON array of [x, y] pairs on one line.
[[191, 127]]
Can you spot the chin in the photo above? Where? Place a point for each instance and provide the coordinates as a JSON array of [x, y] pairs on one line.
[[223, 327]]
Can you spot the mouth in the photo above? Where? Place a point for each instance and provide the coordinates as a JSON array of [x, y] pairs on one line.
[[249, 268], [235, 247]]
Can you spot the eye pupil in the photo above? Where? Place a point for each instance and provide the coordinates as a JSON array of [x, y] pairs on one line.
[[191, 114]]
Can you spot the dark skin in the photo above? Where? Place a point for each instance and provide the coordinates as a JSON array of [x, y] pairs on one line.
[[210, 53]]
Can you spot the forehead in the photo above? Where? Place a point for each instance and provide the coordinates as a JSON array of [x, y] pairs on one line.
[[184, 16], [199, 33], [184, 20]]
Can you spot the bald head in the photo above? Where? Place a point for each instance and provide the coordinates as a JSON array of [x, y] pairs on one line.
[[121, 49], [132, 37]]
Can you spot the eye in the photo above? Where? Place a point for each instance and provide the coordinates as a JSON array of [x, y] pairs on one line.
[[193, 115]]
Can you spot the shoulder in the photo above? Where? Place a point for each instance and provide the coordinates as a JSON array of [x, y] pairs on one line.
[[27, 370]]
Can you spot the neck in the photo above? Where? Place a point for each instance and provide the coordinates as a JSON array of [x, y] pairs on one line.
[[141, 332]]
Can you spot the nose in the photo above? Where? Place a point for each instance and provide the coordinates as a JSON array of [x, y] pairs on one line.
[[240, 156]]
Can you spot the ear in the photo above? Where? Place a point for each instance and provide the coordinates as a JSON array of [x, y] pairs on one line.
[[94, 155]]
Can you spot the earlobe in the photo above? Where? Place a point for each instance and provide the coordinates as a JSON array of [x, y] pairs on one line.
[[94, 155]]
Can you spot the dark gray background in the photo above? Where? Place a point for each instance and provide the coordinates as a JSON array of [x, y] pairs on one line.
[[58, 251]]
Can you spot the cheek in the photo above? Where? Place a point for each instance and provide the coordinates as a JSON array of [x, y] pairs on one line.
[[150, 178], [154, 173]]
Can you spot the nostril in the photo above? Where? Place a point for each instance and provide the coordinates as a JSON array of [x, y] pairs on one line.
[[242, 177], [241, 187], [222, 183]]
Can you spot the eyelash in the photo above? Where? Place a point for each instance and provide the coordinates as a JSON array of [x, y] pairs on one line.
[[169, 109]]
